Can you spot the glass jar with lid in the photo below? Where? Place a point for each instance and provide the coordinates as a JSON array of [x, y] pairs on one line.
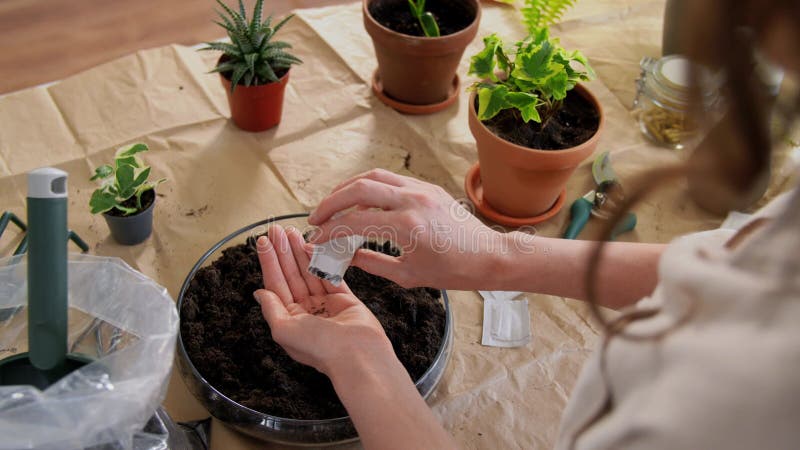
[[663, 100]]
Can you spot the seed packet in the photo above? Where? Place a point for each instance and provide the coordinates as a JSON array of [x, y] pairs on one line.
[[331, 259], [506, 322]]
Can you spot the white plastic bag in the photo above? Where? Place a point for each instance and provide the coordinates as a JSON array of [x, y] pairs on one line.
[[124, 321]]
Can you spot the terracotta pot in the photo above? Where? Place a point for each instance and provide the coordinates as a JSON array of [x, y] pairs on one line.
[[523, 182], [256, 108], [418, 70]]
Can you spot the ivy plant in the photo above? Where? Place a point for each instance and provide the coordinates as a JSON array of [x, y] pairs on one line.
[[126, 178], [252, 57], [425, 18], [533, 75]]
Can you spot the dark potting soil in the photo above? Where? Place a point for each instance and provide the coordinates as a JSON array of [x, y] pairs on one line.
[[230, 344], [451, 15], [148, 197], [576, 122]]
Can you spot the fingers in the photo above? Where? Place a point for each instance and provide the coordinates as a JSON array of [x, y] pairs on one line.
[[380, 264], [361, 192], [288, 265], [271, 270], [342, 288], [382, 175], [272, 307], [355, 222], [297, 244]]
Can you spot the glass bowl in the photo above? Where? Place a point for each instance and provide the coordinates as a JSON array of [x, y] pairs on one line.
[[279, 429]]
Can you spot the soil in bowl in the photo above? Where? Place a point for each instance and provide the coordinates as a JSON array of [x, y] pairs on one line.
[[148, 197], [230, 343], [575, 123], [452, 16]]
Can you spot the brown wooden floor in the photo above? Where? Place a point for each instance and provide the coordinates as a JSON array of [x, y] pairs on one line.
[[46, 40]]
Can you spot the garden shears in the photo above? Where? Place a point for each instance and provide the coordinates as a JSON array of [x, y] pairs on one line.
[[608, 192]]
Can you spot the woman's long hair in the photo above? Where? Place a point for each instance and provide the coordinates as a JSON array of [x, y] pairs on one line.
[[729, 168]]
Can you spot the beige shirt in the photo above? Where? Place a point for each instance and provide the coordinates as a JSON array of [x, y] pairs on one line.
[[727, 378]]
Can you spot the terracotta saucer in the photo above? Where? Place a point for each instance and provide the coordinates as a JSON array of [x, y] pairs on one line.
[[407, 108], [474, 189]]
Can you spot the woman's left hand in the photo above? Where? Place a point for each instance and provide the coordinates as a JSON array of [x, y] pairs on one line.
[[318, 324]]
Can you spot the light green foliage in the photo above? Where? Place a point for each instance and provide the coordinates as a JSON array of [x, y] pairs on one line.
[[539, 14], [252, 57], [535, 76], [126, 178], [426, 19]]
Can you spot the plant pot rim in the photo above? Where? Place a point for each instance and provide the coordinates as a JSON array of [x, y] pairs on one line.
[[453, 36], [152, 204], [580, 88]]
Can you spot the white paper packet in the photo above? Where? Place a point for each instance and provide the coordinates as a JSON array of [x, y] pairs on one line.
[[506, 322], [331, 259]]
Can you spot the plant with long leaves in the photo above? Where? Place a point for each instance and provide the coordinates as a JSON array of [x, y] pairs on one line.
[[538, 14], [125, 179], [252, 57], [426, 20], [536, 74]]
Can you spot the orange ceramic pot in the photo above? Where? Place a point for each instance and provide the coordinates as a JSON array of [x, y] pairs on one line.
[[419, 70], [256, 108], [523, 182]]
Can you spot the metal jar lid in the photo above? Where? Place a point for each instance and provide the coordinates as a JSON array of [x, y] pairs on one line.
[[666, 82]]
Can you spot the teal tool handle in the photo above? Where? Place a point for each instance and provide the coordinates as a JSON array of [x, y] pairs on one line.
[[47, 279], [627, 224], [579, 214]]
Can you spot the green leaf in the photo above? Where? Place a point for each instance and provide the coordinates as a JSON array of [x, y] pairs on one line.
[[141, 177], [538, 14], [255, 21], [429, 25], [491, 100], [482, 64], [237, 75], [536, 65], [125, 210], [556, 85], [101, 172], [250, 59], [266, 73], [124, 179], [281, 23], [231, 50], [132, 150], [224, 67], [526, 104], [102, 201], [502, 59], [242, 10]]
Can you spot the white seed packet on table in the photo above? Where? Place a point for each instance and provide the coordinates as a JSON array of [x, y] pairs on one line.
[[500, 295], [331, 259], [506, 322]]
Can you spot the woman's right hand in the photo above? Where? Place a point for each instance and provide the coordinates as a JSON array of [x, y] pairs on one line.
[[443, 245]]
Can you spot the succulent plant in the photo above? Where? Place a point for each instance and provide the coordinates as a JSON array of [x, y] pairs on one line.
[[252, 57]]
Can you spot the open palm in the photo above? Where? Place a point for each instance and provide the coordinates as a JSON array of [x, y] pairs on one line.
[[315, 322]]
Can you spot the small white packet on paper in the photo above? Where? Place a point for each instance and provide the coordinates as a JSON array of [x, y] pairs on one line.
[[506, 322], [331, 259]]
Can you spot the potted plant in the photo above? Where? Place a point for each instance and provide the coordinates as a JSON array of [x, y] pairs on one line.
[[418, 46], [125, 197], [532, 120], [253, 68]]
